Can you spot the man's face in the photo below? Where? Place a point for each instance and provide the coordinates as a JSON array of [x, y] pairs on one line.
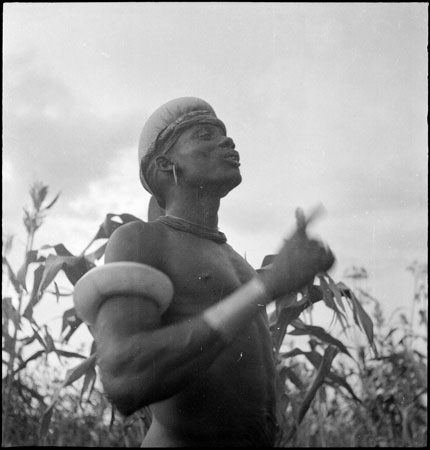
[[205, 157]]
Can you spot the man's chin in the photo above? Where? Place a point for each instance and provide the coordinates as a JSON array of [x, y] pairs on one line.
[[231, 184], [221, 186]]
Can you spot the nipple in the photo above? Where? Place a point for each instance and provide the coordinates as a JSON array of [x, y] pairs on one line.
[[205, 276]]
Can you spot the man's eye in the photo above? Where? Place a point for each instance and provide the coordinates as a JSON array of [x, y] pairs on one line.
[[205, 135]]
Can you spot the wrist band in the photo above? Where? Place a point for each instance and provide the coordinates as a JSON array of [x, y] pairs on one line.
[[120, 279], [223, 316]]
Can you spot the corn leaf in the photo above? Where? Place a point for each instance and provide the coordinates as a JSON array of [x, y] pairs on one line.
[[39, 337], [57, 292], [71, 376], [285, 301], [38, 193], [68, 354], [328, 295], [286, 316], [292, 353], [70, 319], [323, 370], [109, 226], [279, 329], [294, 378], [290, 311], [11, 274], [89, 381], [9, 311], [72, 329], [320, 333], [268, 259], [97, 254], [31, 257], [363, 320], [329, 298], [81, 369], [30, 358], [340, 381], [61, 250], [50, 344], [33, 393], [69, 316], [51, 204], [73, 266], [8, 343], [283, 400], [46, 420], [34, 297], [344, 289], [337, 294]]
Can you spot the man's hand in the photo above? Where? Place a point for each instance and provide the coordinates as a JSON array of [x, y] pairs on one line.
[[298, 261]]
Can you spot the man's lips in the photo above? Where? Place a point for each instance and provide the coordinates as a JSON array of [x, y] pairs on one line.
[[232, 158]]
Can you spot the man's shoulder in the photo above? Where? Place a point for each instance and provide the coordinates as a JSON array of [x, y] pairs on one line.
[[137, 229], [136, 241]]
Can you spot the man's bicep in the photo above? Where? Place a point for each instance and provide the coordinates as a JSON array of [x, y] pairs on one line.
[[123, 316], [119, 321], [123, 331]]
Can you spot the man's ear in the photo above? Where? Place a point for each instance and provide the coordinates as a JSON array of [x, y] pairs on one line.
[[163, 163]]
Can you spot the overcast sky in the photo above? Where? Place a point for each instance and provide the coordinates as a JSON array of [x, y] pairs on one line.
[[326, 103]]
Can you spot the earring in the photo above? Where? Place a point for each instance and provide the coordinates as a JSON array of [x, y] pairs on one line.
[[174, 174]]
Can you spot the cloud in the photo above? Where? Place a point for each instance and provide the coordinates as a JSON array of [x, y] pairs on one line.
[[325, 103], [76, 222], [51, 134]]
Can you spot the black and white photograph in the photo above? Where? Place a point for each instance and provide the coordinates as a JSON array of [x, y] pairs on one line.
[[215, 224]]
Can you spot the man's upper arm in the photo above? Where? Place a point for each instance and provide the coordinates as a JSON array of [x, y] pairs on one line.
[[123, 315], [135, 241]]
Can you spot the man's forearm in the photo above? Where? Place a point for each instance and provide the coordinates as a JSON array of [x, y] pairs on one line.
[[229, 315], [152, 365]]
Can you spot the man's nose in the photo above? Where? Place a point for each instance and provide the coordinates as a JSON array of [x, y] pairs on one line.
[[227, 142]]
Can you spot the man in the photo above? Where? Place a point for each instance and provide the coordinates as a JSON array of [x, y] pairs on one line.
[[204, 361]]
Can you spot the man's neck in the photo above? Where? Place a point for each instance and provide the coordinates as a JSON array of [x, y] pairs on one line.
[[198, 207]]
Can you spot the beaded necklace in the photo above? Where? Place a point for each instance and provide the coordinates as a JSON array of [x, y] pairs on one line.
[[190, 227]]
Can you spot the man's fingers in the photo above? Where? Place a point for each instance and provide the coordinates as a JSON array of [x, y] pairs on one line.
[[328, 258], [316, 212], [323, 256], [302, 222]]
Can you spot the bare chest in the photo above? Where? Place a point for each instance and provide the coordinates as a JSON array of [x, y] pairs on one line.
[[202, 272]]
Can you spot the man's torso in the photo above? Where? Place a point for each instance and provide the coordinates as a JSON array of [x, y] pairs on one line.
[[234, 400]]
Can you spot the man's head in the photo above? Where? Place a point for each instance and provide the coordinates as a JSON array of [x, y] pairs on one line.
[[184, 139]]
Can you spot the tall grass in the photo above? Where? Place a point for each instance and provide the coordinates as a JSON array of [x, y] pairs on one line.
[[332, 391], [389, 405]]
